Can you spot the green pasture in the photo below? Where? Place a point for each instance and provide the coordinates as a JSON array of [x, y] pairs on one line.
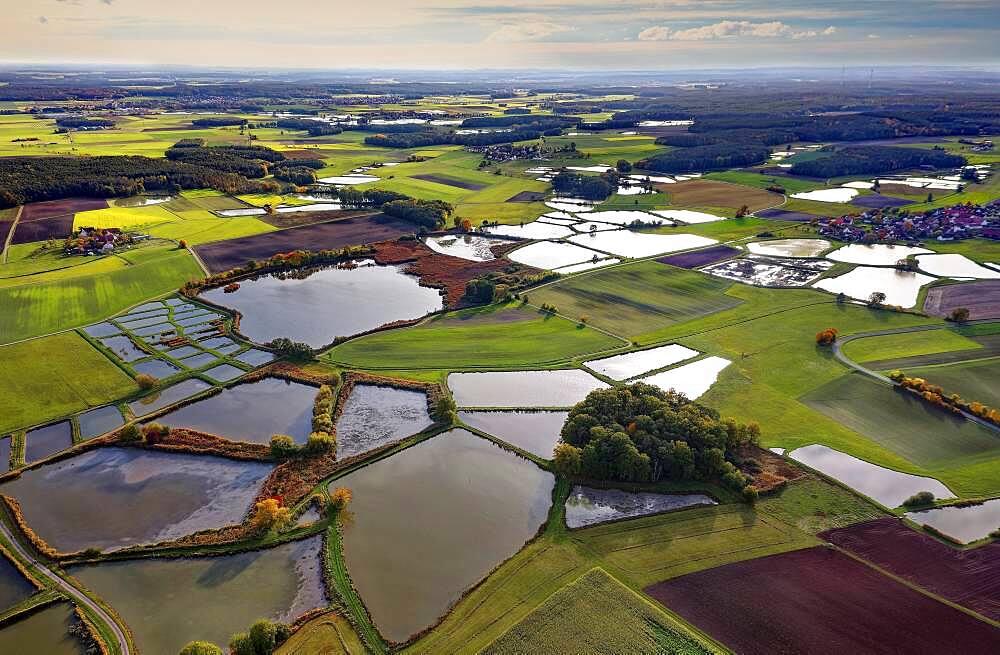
[[894, 346], [760, 181]]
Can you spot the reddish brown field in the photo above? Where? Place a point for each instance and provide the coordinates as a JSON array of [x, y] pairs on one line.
[[52, 219], [982, 299], [966, 577], [819, 601], [223, 255], [713, 193]]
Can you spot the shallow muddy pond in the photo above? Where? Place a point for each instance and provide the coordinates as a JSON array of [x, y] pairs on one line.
[[966, 524], [956, 266], [692, 379], [431, 521], [769, 272], [100, 420], [789, 247], [629, 365], [169, 602], [14, 587], [550, 255], [114, 497], [251, 412], [374, 416], [168, 396], [561, 388], [626, 243], [43, 632], [884, 485], [317, 305], [900, 287], [42, 442], [465, 246], [588, 506], [879, 254], [534, 432]]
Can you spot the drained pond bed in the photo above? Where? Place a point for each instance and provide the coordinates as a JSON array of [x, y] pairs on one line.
[[589, 506], [374, 416]]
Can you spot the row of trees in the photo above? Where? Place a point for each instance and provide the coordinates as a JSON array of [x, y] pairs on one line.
[[714, 156], [935, 395], [426, 137], [872, 160]]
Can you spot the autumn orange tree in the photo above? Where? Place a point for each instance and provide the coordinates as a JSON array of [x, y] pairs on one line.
[[340, 498], [826, 337], [268, 515]]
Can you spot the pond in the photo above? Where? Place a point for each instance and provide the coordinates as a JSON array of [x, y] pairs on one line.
[[45, 631], [254, 357], [688, 216], [840, 194], [883, 485], [114, 497], [142, 201], [626, 243], [224, 372], [431, 521], [789, 247], [533, 230], [966, 524], [316, 305], [953, 265], [900, 287], [102, 329], [767, 272], [626, 217], [560, 388], [4, 454], [42, 442], [199, 360], [168, 396], [124, 348], [550, 255], [692, 379], [534, 432], [348, 179], [169, 602], [629, 365], [879, 254], [589, 506], [465, 246], [586, 266], [14, 587], [98, 421], [374, 416], [156, 367], [245, 211], [251, 412]]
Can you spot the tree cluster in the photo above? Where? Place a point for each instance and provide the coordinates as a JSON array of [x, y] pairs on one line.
[[429, 214], [873, 160], [588, 187], [714, 156], [80, 123]]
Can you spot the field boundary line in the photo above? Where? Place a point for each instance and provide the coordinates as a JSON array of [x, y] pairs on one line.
[[10, 233]]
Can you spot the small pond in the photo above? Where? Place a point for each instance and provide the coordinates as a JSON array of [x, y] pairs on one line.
[[114, 497], [199, 360], [4, 454], [243, 211], [550, 255], [789, 247], [157, 368], [45, 632], [692, 379], [143, 321], [884, 485], [688, 216], [966, 524], [626, 217], [214, 343], [348, 179], [626, 243], [588, 506], [316, 305], [840, 194], [629, 365], [533, 230], [156, 330], [561, 388], [142, 201], [534, 432], [465, 246], [900, 287], [102, 329], [224, 372], [168, 396], [251, 412], [100, 420], [879, 254], [169, 602], [374, 416], [42, 442], [954, 265], [254, 357], [124, 348], [14, 587], [431, 521]]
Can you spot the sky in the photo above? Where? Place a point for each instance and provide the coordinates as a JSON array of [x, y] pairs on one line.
[[497, 34]]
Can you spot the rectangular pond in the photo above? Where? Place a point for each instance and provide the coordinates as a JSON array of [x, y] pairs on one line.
[[5, 453], [789, 247], [533, 230], [560, 388], [317, 305], [900, 287], [550, 255], [42, 442], [98, 421], [374, 416], [590, 506], [534, 432], [431, 521], [884, 485], [114, 497], [157, 368], [251, 412], [124, 348], [626, 243], [966, 524], [693, 379], [169, 602], [224, 372], [465, 246], [629, 365], [878, 254], [170, 395]]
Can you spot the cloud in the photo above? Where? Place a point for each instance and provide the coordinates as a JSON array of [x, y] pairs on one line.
[[730, 29], [874, 36], [531, 31]]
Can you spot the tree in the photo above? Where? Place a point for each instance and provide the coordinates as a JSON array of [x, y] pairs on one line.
[[201, 648], [445, 410], [145, 381], [182, 244], [876, 299], [153, 433], [283, 446], [320, 442], [624, 166], [262, 636], [919, 499], [240, 644], [340, 498], [826, 337], [566, 459], [270, 515], [743, 211], [959, 315]]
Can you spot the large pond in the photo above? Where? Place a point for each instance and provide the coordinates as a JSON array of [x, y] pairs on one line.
[[900, 287], [953, 265], [789, 247], [533, 230], [627, 217], [14, 587], [169, 602], [45, 632], [534, 432], [626, 243], [561, 388], [550, 255], [115, 497], [431, 521], [588, 506], [692, 379], [465, 246], [629, 365], [321, 304], [374, 416], [251, 412], [966, 524], [884, 485], [878, 254], [42, 442]]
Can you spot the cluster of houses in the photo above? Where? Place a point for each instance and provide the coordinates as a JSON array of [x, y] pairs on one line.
[[943, 224], [99, 241]]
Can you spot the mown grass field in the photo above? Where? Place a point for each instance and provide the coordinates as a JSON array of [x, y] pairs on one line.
[[46, 378], [973, 381], [40, 307], [329, 634], [493, 337], [893, 346], [637, 298]]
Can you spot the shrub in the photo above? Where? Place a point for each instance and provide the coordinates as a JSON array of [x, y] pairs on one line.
[[445, 410], [283, 446], [959, 315], [240, 644], [320, 442], [293, 349], [340, 498], [182, 244], [750, 494], [269, 514], [876, 299], [145, 381], [201, 648], [919, 499], [262, 636], [130, 433], [897, 375], [154, 432]]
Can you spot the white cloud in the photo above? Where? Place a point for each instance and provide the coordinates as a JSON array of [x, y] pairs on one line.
[[729, 29], [874, 36], [531, 31]]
